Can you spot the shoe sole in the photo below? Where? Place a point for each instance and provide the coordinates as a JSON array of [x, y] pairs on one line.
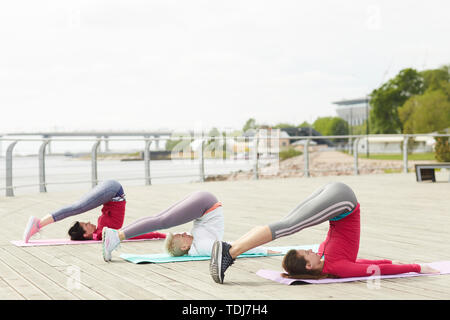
[[26, 235], [215, 264], [103, 246]]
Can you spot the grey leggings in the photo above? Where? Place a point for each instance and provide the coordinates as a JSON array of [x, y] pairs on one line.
[[188, 209], [332, 201], [100, 194]]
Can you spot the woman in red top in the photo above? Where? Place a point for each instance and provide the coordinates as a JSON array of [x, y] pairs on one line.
[[110, 194], [337, 257]]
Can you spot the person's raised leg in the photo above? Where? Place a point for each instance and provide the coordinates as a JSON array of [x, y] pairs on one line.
[[183, 211], [97, 196], [326, 203], [256, 237]]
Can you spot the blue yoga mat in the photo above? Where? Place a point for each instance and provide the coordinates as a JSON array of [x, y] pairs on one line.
[[166, 258]]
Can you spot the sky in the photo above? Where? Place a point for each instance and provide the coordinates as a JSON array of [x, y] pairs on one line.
[[183, 65]]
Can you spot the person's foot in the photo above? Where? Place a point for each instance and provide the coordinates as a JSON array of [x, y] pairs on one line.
[[424, 268], [110, 241], [220, 260], [33, 226]]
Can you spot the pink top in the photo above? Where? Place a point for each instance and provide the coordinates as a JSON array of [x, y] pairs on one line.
[[341, 249]]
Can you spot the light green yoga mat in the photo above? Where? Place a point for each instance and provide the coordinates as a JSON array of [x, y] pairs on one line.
[[165, 258]]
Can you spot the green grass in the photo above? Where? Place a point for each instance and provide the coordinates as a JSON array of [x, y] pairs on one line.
[[289, 153], [413, 156], [393, 170]]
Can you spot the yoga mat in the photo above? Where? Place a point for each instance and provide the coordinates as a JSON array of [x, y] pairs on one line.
[[442, 266], [166, 258], [58, 242]]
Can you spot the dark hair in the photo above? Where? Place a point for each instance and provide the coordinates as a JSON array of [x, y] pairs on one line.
[[295, 266], [76, 232]]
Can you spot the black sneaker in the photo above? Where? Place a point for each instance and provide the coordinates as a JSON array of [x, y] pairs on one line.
[[220, 260]]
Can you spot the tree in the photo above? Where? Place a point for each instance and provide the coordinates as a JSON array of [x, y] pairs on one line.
[[250, 124], [214, 132], [331, 126], [214, 144], [436, 78], [283, 125], [386, 100], [177, 144], [426, 113], [442, 149], [304, 124]]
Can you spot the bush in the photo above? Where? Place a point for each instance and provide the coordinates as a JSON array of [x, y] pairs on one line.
[[289, 153], [442, 149]]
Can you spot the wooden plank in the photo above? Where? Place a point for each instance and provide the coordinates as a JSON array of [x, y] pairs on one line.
[[110, 284], [37, 261], [21, 285], [401, 220], [8, 293], [160, 287], [28, 272]]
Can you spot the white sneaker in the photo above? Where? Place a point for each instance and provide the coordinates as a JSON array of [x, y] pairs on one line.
[[110, 241]]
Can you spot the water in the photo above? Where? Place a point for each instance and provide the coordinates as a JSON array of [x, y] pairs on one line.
[[68, 173], [27, 146]]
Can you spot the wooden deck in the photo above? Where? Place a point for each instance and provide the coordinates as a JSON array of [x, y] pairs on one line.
[[401, 220]]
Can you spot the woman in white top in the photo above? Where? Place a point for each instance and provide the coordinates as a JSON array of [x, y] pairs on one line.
[[201, 207]]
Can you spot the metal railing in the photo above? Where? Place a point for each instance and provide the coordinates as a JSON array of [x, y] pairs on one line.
[[353, 142]]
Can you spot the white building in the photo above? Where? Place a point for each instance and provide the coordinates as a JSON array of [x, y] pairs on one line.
[[393, 145], [354, 111]]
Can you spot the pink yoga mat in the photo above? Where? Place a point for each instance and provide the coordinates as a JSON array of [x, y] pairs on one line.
[[58, 242], [442, 266]]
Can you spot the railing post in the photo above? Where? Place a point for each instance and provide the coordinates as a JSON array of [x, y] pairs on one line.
[[306, 157], [405, 153], [202, 160], [350, 147], [355, 154], [94, 176], [255, 158], [9, 175], [157, 142], [148, 180], [106, 144], [42, 184]]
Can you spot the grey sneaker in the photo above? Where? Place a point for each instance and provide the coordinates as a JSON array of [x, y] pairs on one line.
[[220, 260]]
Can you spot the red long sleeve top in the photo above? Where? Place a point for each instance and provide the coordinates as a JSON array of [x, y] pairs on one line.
[[341, 249], [113, 215]]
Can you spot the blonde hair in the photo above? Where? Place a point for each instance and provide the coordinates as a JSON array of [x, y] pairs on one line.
[[171, 248]]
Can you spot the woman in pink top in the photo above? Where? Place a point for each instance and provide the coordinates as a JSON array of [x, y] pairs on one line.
[[337, 257], [109, 194]]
